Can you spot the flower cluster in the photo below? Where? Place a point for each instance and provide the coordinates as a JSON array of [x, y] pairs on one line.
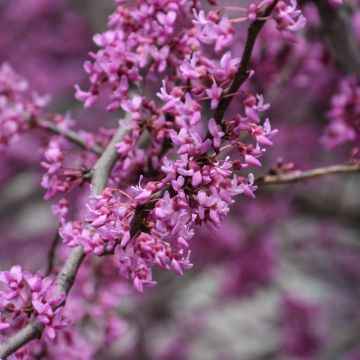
[[54, 158], [344, 115], [91, 304], [194, 159], [288, 18], [212, 29], [18, 105], [24, 296], [139, 40], [195, 127], [152, 225], [65, 168]]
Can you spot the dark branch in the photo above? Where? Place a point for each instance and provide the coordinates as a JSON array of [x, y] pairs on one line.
[[340, 36], [243, 70], [51, 253]]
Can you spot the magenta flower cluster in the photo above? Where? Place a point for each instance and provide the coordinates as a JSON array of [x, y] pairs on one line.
[[188, 84], [151, 224], [24, 296], [197, 157], [64, 168], [344, 115], [18, 105]]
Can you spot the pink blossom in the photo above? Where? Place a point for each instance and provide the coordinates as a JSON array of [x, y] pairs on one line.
[[216, 133], [343, 115], [288, 18], [214, 93], [213, 29], [227, 67], [254, 105], [190, 69], [25, 296], [18, 105]]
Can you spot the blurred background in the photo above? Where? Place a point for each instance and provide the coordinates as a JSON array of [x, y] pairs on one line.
[[281, 278]]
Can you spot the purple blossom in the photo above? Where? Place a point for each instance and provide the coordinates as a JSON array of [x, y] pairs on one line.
[[343, 115], [25, 296], [18, 105], [216, 133], [214, 93], [227, 67], [254, 105], [213, 30], [288, 18]]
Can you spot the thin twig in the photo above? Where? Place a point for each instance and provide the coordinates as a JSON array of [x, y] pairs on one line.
[[306, 175], [67, 274], [243, 70], [51, 253], [70, 135]]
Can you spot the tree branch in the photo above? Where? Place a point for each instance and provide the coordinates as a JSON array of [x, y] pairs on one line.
[[243, 70], [67, 274], [70, 135], [340, 36], [52, 252], [102, 169], [306, 175]]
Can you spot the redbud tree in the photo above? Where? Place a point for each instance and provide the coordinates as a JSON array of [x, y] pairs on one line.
[[190, 110]]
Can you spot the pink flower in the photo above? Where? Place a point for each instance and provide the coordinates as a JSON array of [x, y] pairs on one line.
[[214, 93], [263, 134], [227, 67], [4, 326], [61, 209], [288, 18], [18, 105], [89, 98], [213, 29], [190, 70], [241, 185], [166, 19], [25, 296], [254, 105], [343, 115], [160, 57], [252, 12], [215, 132]]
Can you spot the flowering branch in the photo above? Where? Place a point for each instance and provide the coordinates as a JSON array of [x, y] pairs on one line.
[[150, 225], [243, 69], [67, 274], [307, 175]]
